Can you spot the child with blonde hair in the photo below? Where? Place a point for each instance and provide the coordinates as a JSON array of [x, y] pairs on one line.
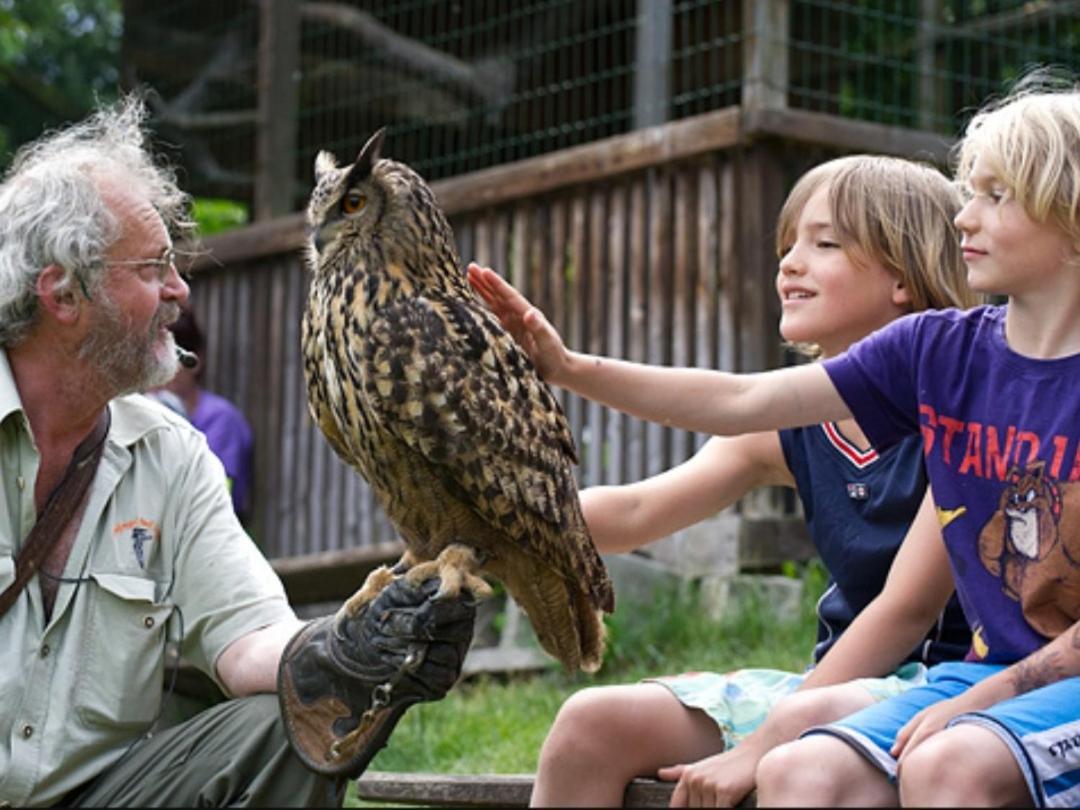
[[862, 240], [993, 392]]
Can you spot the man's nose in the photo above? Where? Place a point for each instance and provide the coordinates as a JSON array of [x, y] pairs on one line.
[[175, 288]]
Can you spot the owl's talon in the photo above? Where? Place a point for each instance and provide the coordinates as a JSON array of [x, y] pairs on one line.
[[455, 567], [419, 574], [372, 587], [407, 562]]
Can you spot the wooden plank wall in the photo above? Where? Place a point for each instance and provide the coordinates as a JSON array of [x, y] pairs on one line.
[[661, 252]]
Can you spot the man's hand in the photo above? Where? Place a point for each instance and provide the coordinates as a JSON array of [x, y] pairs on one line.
[[343, 683], [722, 780], [527, 324]]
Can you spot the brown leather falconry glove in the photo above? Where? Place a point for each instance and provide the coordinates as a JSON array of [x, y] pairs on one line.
[[343, 683]]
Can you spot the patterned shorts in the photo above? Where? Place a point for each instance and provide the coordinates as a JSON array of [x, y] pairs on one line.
[[739, 701]]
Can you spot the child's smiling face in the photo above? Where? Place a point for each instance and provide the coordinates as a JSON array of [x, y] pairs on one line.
[[826, 297]]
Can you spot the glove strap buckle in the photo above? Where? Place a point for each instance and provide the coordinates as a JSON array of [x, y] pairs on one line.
[[380, 698]]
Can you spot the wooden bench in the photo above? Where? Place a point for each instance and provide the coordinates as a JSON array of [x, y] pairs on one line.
[[482, 790]]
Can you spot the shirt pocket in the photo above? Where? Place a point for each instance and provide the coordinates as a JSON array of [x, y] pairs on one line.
[[121, 675]]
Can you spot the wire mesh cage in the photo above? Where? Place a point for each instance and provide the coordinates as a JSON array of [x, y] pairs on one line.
[[924, 64], [470, 84]]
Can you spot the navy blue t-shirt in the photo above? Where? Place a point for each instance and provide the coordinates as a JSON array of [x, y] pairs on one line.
[[859, 505]]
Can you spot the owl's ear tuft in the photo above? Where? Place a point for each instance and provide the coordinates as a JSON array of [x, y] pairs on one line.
[[324, 162], [368, 155]]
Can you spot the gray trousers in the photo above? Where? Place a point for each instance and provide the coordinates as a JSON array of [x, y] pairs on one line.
[[233, 754]]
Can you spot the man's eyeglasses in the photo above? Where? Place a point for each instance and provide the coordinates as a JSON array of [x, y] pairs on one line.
[[164, 263]]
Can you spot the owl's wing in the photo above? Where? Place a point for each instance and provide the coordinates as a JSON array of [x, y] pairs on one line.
[[456, 388]]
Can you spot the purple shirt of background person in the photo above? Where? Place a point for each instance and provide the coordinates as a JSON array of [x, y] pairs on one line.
[[230, 438], [226, 429]]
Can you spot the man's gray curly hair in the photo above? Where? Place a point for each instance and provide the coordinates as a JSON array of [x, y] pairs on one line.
[[52, 211]]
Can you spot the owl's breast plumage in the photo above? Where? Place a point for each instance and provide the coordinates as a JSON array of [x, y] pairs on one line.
[[335, 372], [362, 367]]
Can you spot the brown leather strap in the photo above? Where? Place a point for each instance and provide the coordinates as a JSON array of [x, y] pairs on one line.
[[58, 510]]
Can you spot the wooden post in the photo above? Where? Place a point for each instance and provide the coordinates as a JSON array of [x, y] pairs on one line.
[[275, 138], [929, 99], [760, 193], [765, 54], [652, 79]]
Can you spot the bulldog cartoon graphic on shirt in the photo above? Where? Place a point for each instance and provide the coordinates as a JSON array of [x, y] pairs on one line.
[[1032, 542]]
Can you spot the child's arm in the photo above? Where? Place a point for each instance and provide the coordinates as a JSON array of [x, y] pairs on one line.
[[915, 593], [627, 516], [693, 399]]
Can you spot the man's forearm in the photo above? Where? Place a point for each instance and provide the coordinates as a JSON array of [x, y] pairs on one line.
[[249, 665]]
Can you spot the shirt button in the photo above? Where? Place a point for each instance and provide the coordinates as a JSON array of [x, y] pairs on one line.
[[21, 483], [148, 622], [27, 731], [45, 650]]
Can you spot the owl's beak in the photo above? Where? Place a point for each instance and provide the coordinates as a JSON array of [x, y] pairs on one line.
[[323, 236]]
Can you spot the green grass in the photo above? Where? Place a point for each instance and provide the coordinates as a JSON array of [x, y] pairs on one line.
[[493, 724]]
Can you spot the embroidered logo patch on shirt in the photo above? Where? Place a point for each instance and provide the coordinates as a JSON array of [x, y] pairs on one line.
[[137, 535], [858, 491], [139, 538]]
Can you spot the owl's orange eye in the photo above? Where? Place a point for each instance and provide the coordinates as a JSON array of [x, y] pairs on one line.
[[353, 202]]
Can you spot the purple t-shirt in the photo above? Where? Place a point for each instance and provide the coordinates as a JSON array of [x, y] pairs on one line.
[[1001, 439], [230, 437]]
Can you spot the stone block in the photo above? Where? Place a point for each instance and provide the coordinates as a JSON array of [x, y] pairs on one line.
[[722, 595], [637, 578], [708, 547]]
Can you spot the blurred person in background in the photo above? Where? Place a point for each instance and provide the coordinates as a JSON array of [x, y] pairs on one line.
[[226, 429]]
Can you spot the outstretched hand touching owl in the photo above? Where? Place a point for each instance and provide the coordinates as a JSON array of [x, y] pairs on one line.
[[528, 325]]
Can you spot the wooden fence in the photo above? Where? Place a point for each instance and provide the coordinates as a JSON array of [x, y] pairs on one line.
[[655, 246]]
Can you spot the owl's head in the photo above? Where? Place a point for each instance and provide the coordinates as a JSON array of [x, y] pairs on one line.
[[381, 207]]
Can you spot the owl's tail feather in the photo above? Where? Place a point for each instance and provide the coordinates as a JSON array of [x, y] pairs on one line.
[[594, 572], [567, 624], [591, 632], [603, 595]]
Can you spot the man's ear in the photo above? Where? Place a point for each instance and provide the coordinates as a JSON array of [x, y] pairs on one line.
[[60, 301]]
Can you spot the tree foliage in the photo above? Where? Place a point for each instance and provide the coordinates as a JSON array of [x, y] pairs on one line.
[[57, 59]]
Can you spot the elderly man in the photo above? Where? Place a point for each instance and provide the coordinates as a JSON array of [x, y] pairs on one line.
[[117, 533]]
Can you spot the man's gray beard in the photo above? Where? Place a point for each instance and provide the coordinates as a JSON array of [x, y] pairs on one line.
[[128, 362]]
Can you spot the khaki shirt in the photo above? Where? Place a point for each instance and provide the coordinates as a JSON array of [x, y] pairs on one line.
[[159, 555]]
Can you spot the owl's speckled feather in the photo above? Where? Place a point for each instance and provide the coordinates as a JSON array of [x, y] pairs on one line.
[[416, 384]]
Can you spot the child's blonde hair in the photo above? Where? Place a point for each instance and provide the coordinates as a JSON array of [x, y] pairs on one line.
[[895, 212], [1031, 143]]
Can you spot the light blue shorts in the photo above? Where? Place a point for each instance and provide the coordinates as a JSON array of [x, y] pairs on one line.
[[739, 701], [1041, 728]]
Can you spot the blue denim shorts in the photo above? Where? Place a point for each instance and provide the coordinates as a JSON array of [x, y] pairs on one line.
[[1041, 728]]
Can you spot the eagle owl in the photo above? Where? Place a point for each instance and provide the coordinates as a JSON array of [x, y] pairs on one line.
[[415, 383]]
